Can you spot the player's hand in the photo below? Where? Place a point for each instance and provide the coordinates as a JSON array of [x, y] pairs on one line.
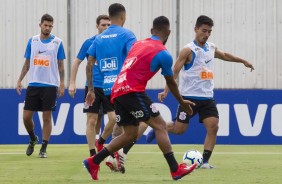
[[61, 90], [162, 96], [72, 89], [19, 88], [90, 98], [187, 106], [249, 65]]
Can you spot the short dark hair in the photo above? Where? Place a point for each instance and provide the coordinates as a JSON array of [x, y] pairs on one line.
[[161, 23], [204, 20], [115, 9], [46, 17], [100, 17]]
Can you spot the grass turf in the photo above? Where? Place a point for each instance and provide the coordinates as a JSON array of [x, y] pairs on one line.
[[145, 164]]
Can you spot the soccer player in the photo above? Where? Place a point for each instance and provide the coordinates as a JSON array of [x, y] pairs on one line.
[[44, 60], [132, 105], [109, 51], [195, 65], [94, 118]]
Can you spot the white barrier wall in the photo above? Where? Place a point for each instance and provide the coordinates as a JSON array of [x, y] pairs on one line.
[[249, 29]]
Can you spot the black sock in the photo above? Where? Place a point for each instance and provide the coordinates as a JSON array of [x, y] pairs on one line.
[[92, 152], [173, 165], [101, 140], [128, 147], [44, 145], [101, 156], [206, 156], [32, 135]]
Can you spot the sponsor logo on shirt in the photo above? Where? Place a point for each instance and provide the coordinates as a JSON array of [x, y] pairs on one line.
[[110, 79], [109, 64], [109, 36]]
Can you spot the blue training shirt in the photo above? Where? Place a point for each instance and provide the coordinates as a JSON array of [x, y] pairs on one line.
[[82, 54], [60, 56], [162, 60], [110, 49]]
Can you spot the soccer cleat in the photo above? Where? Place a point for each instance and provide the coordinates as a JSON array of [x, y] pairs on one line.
[[207, 166], [112, 164], [182, 171], [42, 154], [120, 160], [31, 145], [99, 146], [91, 167], [150, 136]]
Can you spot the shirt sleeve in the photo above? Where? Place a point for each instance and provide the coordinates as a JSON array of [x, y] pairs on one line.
[[131, 40], [83, 50], [162, 60], [61, 52], [92, 50], [28, 49]]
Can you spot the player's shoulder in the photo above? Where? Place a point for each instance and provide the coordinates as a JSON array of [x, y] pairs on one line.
[[211, 45], [90, 40], [164, 55]]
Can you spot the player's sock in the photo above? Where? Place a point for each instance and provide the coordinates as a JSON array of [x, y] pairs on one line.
[[173, 165], [101, 156], [44, 145], [206, 156], [127, 148], [101, 140], [32, 135], [92, 152]]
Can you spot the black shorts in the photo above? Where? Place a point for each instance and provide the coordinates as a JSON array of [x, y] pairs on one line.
[[205, 109], [40, 98], [132, 108], [101, 101]]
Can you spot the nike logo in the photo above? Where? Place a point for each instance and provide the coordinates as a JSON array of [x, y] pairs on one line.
[[40, 52], [207, 61]]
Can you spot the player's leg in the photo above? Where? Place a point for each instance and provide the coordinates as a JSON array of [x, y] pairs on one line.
[[46, 132], [32, 103], [159, 126], [178, 127], [208, 115], [48, 98], [90, 131], [98, 125], [211, 125]]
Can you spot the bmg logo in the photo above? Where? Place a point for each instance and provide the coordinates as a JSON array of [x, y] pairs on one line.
[[109, 64]]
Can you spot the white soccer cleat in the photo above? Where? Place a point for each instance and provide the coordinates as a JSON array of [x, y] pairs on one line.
[[120, 158], [207, 166], [112, 163]]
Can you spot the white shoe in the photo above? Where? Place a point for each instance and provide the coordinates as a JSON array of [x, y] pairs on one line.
[[112, 163], [120, 159], [207, 166]]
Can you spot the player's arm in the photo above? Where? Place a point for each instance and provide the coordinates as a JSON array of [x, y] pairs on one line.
[[232, 58], [183, 58], [90, 97], [74, 69], [61, 56], [22, 75], [62, 77], [172, 85], [25, 66]]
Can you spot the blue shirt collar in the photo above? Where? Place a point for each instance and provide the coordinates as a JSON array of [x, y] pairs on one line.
[[153, 37], [204, 47]]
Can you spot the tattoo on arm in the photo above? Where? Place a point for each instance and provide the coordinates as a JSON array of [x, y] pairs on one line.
[[24, 69], [61, 70], [89, 73]]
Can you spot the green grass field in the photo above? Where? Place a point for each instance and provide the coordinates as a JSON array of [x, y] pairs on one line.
[[145, 164]]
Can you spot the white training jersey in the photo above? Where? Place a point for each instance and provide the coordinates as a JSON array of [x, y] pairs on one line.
[[196, 78], [43, 61]]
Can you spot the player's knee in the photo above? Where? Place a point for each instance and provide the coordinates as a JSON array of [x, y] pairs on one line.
[[178, 131]]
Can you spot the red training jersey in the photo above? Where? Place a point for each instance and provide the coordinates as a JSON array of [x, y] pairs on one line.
[[136, 72]]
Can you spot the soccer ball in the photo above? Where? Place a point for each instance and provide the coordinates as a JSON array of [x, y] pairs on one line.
[[193, 156]]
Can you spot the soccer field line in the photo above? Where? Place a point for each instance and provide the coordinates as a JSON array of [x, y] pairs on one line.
[[148, 152]]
